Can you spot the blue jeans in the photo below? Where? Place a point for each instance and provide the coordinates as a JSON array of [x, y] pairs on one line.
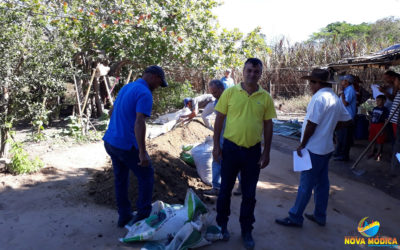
[[244, 160], [123, 161], [316, 178], [344, 141], [216, 175]]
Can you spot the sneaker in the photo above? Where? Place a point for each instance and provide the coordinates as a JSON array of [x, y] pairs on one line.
[[225, 233], [212, 191], [238, 191], [248, 241]]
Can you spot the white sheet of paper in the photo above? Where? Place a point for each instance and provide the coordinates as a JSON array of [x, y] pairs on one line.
[[301, 163], [375, 90], [398, 156]]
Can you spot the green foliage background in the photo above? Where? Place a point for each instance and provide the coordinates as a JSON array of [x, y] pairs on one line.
[[45, 43]]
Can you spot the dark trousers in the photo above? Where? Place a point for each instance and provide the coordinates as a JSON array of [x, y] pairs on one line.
[[395, 165], [244, 160], [314, 179], [123, 161], [344, 141]]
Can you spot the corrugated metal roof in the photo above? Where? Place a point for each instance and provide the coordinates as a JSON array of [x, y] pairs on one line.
[[382, 59]]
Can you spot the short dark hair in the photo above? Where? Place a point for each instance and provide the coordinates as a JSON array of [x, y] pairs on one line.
[[254, 62], [383, 97], [392, 74], [217, 83], [325, 84]]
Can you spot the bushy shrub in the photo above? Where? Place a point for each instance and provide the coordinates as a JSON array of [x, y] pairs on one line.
[[20, 161]]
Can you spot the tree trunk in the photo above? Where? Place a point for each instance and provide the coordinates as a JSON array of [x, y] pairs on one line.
[[4, 147], [203, 81], [4, 131], [99, 104]]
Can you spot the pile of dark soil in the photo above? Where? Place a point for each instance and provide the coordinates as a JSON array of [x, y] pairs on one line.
[[172, 176]]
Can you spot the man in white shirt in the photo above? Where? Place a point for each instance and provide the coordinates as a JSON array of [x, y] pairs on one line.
[[325, 112]]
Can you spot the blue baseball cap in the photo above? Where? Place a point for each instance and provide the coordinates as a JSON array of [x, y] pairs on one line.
[[186, 100], [348, 78], [157, 70]]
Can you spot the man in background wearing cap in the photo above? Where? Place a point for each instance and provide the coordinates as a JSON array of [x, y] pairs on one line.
[[227, 79], [202, 101], [345, 135], [124, 141], [324, 113]]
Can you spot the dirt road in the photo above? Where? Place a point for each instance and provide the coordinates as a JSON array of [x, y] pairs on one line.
[[51, 209]]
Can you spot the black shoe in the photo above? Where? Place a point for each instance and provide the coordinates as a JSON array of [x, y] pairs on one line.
[[287, 222], [311, 217], [225, 233], [124, 220], [135, 219], [212, 192], [248, 241]]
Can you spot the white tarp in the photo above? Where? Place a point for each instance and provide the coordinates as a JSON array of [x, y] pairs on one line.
[[164, 123]]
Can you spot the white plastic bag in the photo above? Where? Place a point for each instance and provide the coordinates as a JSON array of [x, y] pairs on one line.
[[202, 155], [165, 224]]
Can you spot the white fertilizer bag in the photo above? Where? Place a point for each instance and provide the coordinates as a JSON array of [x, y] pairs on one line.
[[194, 234], [164, 225], [202, 156]]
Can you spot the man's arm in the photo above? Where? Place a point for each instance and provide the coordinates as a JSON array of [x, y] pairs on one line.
[[264, 160], [208, 110], [189, 116], [219, 122], [343, 98], [140, 133], [308, 132]]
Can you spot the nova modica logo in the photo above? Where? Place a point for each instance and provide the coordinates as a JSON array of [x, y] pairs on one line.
[[369, 229]]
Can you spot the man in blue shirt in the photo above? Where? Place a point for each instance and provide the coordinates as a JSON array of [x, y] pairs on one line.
[[227, 79], [345, 135], [124, 141]]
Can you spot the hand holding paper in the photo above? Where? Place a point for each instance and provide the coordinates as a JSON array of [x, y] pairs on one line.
[[301, 163]]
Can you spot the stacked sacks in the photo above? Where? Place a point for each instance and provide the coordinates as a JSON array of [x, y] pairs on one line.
[[176, 226]]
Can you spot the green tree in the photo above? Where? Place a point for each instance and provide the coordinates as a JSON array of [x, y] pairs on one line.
[[254, 45], [34, 60], [385, 31], [341, 31]]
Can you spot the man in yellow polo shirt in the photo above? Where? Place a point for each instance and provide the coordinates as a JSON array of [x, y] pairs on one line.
[[248, 110]]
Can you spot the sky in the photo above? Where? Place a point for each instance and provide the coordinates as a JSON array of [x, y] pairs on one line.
[[297, 20]]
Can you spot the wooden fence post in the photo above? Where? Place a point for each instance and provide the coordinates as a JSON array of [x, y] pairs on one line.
[[129, 77], [88, 90], [108, 91]]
